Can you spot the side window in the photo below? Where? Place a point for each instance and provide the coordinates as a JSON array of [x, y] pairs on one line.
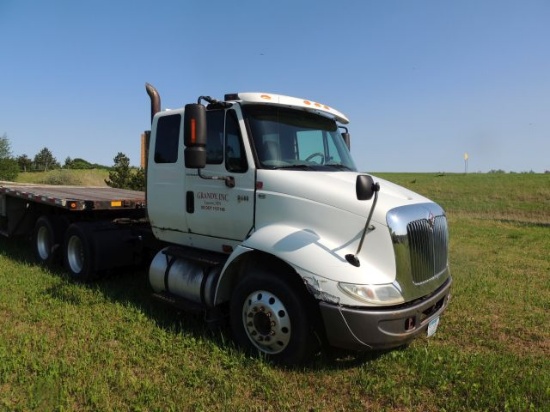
[[214, 139], [166, 145], [235, 159]]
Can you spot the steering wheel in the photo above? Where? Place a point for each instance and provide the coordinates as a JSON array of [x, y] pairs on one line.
[[316, 154]]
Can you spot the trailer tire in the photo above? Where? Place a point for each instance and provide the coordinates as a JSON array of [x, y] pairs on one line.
[[44, 241], [79, 253], [270, 316]]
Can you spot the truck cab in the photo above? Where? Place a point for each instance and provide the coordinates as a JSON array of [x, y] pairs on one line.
[[265, 217]]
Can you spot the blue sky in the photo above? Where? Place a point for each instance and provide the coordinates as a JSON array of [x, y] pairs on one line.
[[422, 82]]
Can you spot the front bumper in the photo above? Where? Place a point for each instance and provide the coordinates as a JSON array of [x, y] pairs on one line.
[[382, 328]]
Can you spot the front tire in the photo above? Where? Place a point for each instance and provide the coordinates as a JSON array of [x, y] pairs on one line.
[[271, 315]]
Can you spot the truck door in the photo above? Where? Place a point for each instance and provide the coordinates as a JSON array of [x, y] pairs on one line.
[[215, 209], [165, 180]]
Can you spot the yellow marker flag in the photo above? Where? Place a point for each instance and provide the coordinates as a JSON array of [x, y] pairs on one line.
[[466, 156]]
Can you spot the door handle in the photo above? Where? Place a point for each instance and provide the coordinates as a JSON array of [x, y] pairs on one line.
[[190, 202], [230, 181]]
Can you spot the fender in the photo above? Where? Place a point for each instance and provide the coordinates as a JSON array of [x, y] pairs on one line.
[[313, 257], [312, 253], [302, 248]]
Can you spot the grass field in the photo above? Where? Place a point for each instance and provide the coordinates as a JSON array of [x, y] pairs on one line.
[[92, 177], [109, 346]]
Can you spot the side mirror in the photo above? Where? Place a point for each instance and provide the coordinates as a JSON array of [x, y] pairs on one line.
[[346, 136], [347, 139], [365, 187], [194, 136]]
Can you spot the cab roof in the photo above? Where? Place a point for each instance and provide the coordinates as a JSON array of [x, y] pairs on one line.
[[287, 101]]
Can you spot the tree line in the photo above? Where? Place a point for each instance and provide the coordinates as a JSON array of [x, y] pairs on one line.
[[43, 161], [121, 174]]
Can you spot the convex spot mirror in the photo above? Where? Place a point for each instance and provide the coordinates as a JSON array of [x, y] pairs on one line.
[[365, 187]]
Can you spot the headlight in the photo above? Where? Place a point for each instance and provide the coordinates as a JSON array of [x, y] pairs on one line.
[[375, 294]]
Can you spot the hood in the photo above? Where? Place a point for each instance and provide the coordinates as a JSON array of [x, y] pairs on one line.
[[337, 189]]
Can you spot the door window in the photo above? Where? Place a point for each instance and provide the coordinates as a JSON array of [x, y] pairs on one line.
[[166, 145], [224, 141], [214, 138], [235, 159]]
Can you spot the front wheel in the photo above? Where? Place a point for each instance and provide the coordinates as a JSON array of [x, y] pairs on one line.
[[272, 316]]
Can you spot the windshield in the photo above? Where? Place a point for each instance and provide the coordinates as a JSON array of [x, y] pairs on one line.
[[296, 139]]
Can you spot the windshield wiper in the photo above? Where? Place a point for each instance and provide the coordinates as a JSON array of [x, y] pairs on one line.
[[299, 167], [338, 166]]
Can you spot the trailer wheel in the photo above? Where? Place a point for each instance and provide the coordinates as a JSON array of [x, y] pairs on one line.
[[44, 241], [79, 254], [270, 316]]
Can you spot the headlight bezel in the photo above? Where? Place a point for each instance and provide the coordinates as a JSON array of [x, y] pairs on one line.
[[380, 295]]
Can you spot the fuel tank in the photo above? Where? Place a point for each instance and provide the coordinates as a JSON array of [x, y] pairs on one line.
[[181, 277]]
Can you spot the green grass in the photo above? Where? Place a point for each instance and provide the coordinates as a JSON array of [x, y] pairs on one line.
[[109, 346], [92, 177], [521, 198]]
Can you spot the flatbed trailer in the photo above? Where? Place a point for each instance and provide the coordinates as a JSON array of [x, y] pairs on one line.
[[90, 229], [75, 198]]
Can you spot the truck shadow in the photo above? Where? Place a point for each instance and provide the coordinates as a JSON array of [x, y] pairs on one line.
[[130, 287]]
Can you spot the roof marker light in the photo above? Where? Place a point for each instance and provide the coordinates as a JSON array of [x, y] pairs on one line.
[[292, 102]]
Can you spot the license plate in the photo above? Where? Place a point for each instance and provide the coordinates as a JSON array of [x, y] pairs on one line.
[[432, 326]]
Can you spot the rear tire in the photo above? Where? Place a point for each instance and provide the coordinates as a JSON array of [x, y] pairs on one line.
[[45, 239], [79, 254], [272, 316]]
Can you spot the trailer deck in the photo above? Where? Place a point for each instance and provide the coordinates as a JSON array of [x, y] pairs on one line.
[[76, 198]]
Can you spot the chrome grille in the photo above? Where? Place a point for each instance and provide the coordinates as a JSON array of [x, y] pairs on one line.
[[420, 240], [428, 245]]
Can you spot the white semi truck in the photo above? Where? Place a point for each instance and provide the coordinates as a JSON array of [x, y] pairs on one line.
[[255, 211]]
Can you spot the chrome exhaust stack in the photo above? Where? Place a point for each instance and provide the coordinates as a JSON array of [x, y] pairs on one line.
[[155, 99]]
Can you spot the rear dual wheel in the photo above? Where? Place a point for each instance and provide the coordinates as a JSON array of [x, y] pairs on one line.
[[76, 249], [78, 254], [46, 238]]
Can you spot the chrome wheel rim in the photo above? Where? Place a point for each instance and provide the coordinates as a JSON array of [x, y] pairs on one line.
[[43, 245], [266, 322], [75, 254]]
